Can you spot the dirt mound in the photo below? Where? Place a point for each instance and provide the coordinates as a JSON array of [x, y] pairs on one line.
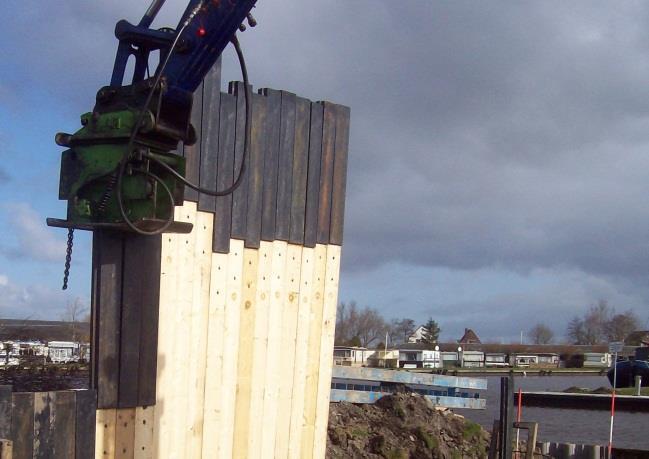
[[402, 426]]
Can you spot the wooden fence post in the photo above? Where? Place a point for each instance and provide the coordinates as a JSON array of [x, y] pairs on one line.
[[506, 416]]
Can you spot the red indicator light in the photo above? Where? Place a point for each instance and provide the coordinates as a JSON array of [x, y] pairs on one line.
[[201, 32]]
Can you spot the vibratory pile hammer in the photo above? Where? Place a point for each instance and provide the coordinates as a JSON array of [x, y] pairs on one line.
[[119, 172]]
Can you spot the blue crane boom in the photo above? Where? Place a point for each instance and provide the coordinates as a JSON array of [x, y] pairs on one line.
[[207, 27]]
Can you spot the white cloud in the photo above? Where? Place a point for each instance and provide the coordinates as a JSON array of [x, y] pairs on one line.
[[33, 239], [34, 301]]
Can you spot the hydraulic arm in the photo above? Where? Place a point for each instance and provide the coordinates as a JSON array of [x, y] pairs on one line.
[[119, 171]]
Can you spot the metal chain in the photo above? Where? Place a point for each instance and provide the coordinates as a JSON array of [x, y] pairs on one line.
[[68, 258]]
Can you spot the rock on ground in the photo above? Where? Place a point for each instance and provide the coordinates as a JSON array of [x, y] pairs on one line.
[[402, 426]]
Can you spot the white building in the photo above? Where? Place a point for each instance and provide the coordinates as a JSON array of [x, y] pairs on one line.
[[351, 356], [597, 359], [495, 359], [432, 359], [418, 335], [63, 351], [472, 359]]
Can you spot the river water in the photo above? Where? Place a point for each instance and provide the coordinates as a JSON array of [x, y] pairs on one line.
[[631, 430]]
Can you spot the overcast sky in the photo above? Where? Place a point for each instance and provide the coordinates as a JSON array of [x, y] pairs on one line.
[[499, 153]]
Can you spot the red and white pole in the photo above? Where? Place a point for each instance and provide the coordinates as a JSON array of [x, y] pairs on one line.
[[518, 419]]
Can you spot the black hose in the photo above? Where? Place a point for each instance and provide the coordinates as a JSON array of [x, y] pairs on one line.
[[116, 181], [246, 142]]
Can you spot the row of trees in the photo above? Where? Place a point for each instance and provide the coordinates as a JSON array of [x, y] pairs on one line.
[[601, 324], [367, 327]]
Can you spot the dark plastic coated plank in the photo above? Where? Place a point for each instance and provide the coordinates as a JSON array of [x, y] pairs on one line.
[[240, 195], [139, 320], [128, 351], [22, 424], [43, 428], [313, 181], [223, 208], [210, 136], [326, 172], [94, 308], [63, 424], [339, 175], [271, 152], [147, 371], [256, 171], [192, 153], [285, 164], [86, 406], [107, 326], [5, 412], [300, 170]]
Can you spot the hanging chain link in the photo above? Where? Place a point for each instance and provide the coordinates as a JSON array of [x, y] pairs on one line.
[[68, 258]]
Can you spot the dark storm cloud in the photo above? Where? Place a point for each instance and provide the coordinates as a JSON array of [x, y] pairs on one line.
[[483, 133]]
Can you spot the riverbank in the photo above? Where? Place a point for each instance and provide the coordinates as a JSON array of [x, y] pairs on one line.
[[43, 378], [644, 391], [518, 372]]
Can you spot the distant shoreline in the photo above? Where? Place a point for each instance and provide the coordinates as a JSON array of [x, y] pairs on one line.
[[518, 372]]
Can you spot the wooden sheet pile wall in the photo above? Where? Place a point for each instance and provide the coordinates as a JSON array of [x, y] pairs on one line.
[[247, 300], [294, 186], [57, 425]]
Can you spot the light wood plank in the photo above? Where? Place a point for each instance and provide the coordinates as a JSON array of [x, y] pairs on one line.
[[288, 339], [105, 434], [198, 319], [275, 352], [234, 287], [214, 400], [260, 349], [6, 449], [313, 352], [144, 422], [125, 433], [244, 365], [326, 350], [177, 395], [301, 346], [169, 273]]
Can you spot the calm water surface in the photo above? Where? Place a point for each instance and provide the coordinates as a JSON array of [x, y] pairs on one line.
[[631, 430]]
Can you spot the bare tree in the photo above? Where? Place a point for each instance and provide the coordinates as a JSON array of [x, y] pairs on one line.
[[356, 326], [541, 334], [74, 312], [596, 321], [600, 324], [371, 327], [401, 329], [576, 330], [345, 316], [619, 326]]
